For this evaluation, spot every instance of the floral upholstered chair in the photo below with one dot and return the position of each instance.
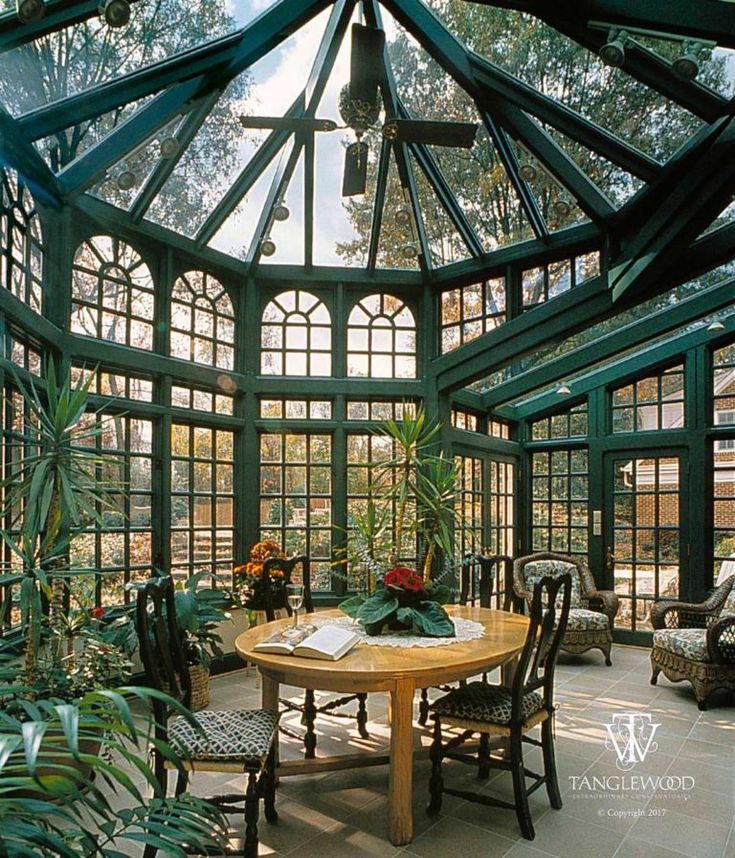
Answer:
(696, 642)
(592, 612)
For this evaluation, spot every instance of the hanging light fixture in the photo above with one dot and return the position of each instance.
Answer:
(169, 146)
(715, 327)
(30, 11)
(267, 246)
(126, 179)
(562, 207)
(528, 171)
(281, 212)
(686, 67)
(403, 214)
(115, 12)
(563, 390)
(612, 53)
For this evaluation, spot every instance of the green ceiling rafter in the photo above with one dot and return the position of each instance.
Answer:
(703, 20)
(606, 347)
(436, 178)
(381, 184)
(695, 186)
(165, 166)
(18, 153)
(400, 150)
(455, 59)
(566, 315)
(657, 354)
(309, 191)
(221, 59)
(58, 14)
(249, 175)
(500, 83)
(316, 83)
(509, 159)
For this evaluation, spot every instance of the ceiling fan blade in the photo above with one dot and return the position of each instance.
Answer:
(354, 180)
(457, 134)
(365, 62)
(286, 123)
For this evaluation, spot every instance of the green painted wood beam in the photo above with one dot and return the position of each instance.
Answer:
(58, 14)
(222, 58)
(249, 175)
(565, 315)
(614, 343)
(712, 20)
(695, 186)
(656, 355)
(502, 84)
(381, 185)
(18, 153)
(165, 166)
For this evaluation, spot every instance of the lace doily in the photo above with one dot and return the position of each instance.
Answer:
(467, 630)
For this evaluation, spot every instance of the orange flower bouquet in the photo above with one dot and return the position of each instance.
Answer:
(248, 577)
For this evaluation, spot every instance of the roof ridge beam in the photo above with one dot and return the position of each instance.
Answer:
(225, 58)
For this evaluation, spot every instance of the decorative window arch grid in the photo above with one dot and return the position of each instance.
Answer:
(21, 241)
(296, 336)
(202, 321)
(112, 293)
(381, 339)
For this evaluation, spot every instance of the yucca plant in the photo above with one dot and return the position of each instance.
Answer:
(436, 494)
(65, 769)
(55, 488)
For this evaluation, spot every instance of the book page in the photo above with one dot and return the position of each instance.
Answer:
(332, 641)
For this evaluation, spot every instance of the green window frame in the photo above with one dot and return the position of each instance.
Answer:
(21, 241)
(559, 505)
(469, 311)
(501, 507)
(381, 338)
(296, 336)
(652, 402)
(202, 321)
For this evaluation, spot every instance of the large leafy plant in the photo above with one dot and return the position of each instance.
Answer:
(70, 783)
(199, 613)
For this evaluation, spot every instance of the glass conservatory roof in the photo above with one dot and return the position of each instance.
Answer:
(226, 121)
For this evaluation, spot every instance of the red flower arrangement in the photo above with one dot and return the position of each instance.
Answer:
(403, 578)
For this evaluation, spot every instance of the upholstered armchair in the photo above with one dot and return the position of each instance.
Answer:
(695, 641)
(592, 612)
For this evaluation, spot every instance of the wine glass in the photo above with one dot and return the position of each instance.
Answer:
(295, 596)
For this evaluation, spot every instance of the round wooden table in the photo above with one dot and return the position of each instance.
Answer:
(397, 671)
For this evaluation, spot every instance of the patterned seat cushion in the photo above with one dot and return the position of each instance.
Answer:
(728, 609)
(240, 734)
(538, 569)
(479, 701)
(689, 643)
(581, 619)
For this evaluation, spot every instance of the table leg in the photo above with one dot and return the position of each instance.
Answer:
(269, 692)
(400, 823)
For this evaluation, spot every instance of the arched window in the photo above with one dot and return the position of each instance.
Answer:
(296, 336)
(381, 339)
(112, 293)
(202, 321)
(21, 241)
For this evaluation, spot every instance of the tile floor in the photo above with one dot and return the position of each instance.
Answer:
(345, 813)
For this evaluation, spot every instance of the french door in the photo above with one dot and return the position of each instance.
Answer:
(645, 533)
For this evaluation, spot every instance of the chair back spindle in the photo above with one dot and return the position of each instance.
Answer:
(287, 566)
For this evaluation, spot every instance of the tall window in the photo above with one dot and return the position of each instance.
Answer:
(559, 505)
(202, 321)
(202, 500)
(381, 339)
(471, 311)
(723, 390)
(724, 513)
(112, 293)
(120, 547)
(296, 336)
(654, 402)
(21, 241)
(469, 536)
(500, 497)
(296, 498)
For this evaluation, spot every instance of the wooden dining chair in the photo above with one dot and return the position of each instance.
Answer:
(309, 709)
(483, 579)
(510, 713)
(237, 741)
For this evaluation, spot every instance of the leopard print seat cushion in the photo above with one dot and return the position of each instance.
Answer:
(237, 735)
(489, 704)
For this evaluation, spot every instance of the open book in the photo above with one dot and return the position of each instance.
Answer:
(328, 642)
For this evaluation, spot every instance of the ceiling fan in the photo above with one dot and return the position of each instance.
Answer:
(360, 105)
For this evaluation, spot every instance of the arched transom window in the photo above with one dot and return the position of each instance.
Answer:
(296, 336)
(381, 339)
(112, 293)
(21, 241)
(202, 321)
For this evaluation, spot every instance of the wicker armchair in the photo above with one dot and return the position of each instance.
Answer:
(592, 614)
(695, 641)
